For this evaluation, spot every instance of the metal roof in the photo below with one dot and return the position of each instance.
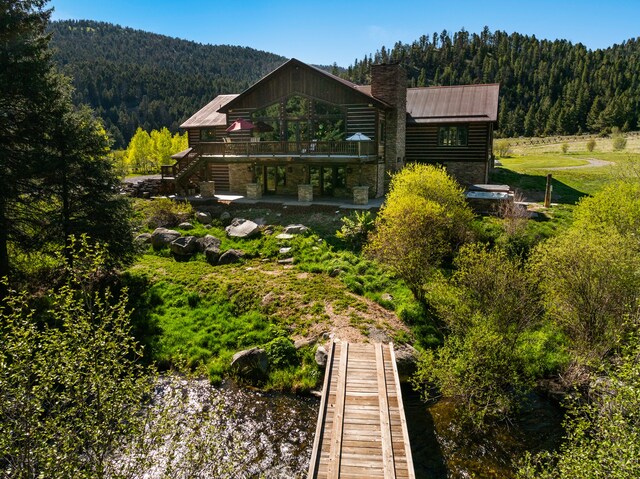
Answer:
(209, 115)
(453, 104)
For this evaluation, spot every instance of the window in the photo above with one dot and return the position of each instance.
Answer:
(452, 136)
(208, 134)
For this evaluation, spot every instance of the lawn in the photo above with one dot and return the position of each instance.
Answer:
(527, 172)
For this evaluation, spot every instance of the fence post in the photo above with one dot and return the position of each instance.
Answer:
(547, 192)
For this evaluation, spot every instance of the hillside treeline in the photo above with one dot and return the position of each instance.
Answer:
(547, 87)
(137, 79)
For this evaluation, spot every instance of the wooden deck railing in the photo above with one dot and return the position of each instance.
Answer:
(306, 148)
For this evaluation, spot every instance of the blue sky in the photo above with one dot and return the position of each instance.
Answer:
(323, 32)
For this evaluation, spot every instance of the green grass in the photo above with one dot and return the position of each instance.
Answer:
(528, 173)
(194, 313)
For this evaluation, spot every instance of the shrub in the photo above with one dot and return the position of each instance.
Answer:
(501, 148)
(619, 141)
(356, 228)
(564, 147)
(281, 352)
(163, 212)
(591, 145)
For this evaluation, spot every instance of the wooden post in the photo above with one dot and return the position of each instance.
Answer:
(547, 192)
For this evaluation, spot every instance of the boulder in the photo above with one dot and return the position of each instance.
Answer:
(251, 364)
(284, 236)
(207, 242)
(303, 342)
(230, 256)
(321, 356)
(225, 218)
(406, 361)
(185, 226)
(213, 255)
(241, 228)
(184, 246)
(162, 237)
(143, 238)
(295, 229)
(203, 217)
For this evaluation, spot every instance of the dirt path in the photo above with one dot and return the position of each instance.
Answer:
(593, 162)
(138, 179)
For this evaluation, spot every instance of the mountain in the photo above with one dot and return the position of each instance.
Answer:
(134, 78)
(547, 87)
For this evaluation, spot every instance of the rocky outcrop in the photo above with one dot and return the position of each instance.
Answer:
(163, 237)
(241, 228)
(250, 364)
(207, 242)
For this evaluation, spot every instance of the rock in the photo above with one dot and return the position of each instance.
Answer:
(184, 246)
(406, 361)
(207, 242)
(162, 237)
(286, 261)
(284, 250)
(321, 356)
(241, 228)
(185, 226)
(386, 297)
(143, 238)
(251, 364)
(203, 217)
(301, 343)
(295, 229)
(335, 272)
(225, 218)
(230, 256)
(213, 255)
(284, 236)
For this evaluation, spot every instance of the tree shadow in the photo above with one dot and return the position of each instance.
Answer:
(428, 460)
(533, 186)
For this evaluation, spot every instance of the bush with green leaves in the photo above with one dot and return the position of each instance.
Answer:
(619, 142)
(356, 228)
(164, 212)
(502, 148)
(564, 147)
(281, 352)
(423, 221)
(602, 428)
(591, 145)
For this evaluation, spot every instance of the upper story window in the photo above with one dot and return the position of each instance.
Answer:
(453, 135)
(208, 134)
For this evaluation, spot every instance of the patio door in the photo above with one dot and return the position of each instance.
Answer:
(274, 177)
(326, 179)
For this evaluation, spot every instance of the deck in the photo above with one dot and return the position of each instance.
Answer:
(361, 430)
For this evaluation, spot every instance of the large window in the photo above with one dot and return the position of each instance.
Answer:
(453, 135)
(298, 118)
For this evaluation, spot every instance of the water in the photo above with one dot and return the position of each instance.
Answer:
(273, 433)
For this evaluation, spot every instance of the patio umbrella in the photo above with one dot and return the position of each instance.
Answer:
(240, 124)
(359, 137)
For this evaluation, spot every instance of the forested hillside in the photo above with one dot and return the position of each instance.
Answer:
(547, 87)
(134, 78)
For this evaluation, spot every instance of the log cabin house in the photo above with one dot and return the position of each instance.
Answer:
(294, 133)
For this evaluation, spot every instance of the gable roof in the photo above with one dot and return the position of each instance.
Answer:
(209, 115)
(453, 104)
(298, 64)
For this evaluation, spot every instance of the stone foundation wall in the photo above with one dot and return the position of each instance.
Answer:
(468, 173)
(239, 175)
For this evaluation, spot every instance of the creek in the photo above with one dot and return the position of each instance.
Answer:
(274, 433)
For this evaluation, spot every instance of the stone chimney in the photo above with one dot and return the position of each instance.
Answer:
(389, 84)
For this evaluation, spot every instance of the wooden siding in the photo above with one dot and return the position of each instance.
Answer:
(294, 78)
(361, 118)
(422, 145)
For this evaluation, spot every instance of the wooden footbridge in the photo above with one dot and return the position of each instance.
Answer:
(361, 431)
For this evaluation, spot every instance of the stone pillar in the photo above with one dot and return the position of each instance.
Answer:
(360, 195)
(254, 191)
(207, 189)
(389, 84)
(305, 193)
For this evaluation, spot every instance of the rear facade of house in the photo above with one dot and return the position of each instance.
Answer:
(305, 133)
